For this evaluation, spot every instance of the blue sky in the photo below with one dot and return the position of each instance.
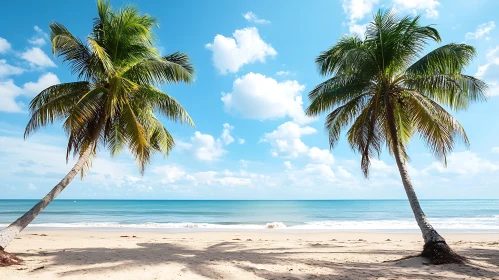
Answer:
(255, 65)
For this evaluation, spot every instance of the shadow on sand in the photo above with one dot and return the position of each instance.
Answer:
(202, 261)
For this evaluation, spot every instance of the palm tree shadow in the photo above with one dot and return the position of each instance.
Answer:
(202, 262)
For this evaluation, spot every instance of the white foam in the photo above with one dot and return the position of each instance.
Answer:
(275, 225)
(490, 223)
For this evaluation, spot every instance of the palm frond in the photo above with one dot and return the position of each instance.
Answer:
(53, 104)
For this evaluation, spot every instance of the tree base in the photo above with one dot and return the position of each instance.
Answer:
(7, 259)
(438, 252)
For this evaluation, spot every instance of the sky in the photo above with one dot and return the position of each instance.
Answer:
(254, 65)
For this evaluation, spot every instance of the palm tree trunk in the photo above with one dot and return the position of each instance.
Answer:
(435, 248)
(9, 233)
(429, 233)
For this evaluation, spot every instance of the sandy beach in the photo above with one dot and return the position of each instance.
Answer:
(242, 255)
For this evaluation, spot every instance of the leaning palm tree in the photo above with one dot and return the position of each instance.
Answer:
(113, 104)
(385, 92)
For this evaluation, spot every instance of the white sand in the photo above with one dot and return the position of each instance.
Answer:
(242, 255)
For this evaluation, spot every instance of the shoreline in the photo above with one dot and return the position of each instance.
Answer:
(132, 254)
(252, 230)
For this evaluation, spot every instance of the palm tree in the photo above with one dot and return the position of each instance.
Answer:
(113, 104)
(385, 92)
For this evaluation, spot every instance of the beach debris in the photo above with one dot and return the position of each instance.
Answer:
(249, 239)
(388, 239)
(134, 236)
(362, 240)
(236, 239)
(7, 259)
(124, 236)
(333, 239)
(43, 234)
(38, 268)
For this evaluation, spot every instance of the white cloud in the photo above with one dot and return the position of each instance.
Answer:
(288, 165)
(492, 57)
(463, 163)
(495, 150)
(226, 137)
(251, 17)
(416, 6)
(285, 140)
(320, 156)
(356, 10)
(493, 89)
(484, 71)
(241, 141)
(169, 173)
(42, 147)
(4, 45)
(255, 96)
(482, 30)
(36, 57)
(9, 91)
(9, 70)
(45, 81)
(282, 73)
(359, 29)
(39, 38)
(246, 46)
(205, 147)
(322, 171)
(31, 187)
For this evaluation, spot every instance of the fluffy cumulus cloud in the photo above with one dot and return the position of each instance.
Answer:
(46, 80)
(206, 148)
(481, 31)
(320, 156)
(9, 70)
(463, 163)
(4, 45)
(492, 57)
(255, 96)
(495, 150)
(37, 58)
(251, 17)
(39, 39)
(246, 46)
(175, 175)
(490, 71)
(286, 142)
(169, 173)
(356, 10)
(418, 6)
(10, 92)
(226, 137)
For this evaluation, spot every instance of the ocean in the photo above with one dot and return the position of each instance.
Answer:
(321, 215)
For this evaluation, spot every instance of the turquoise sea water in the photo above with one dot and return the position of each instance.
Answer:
(334, 215)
